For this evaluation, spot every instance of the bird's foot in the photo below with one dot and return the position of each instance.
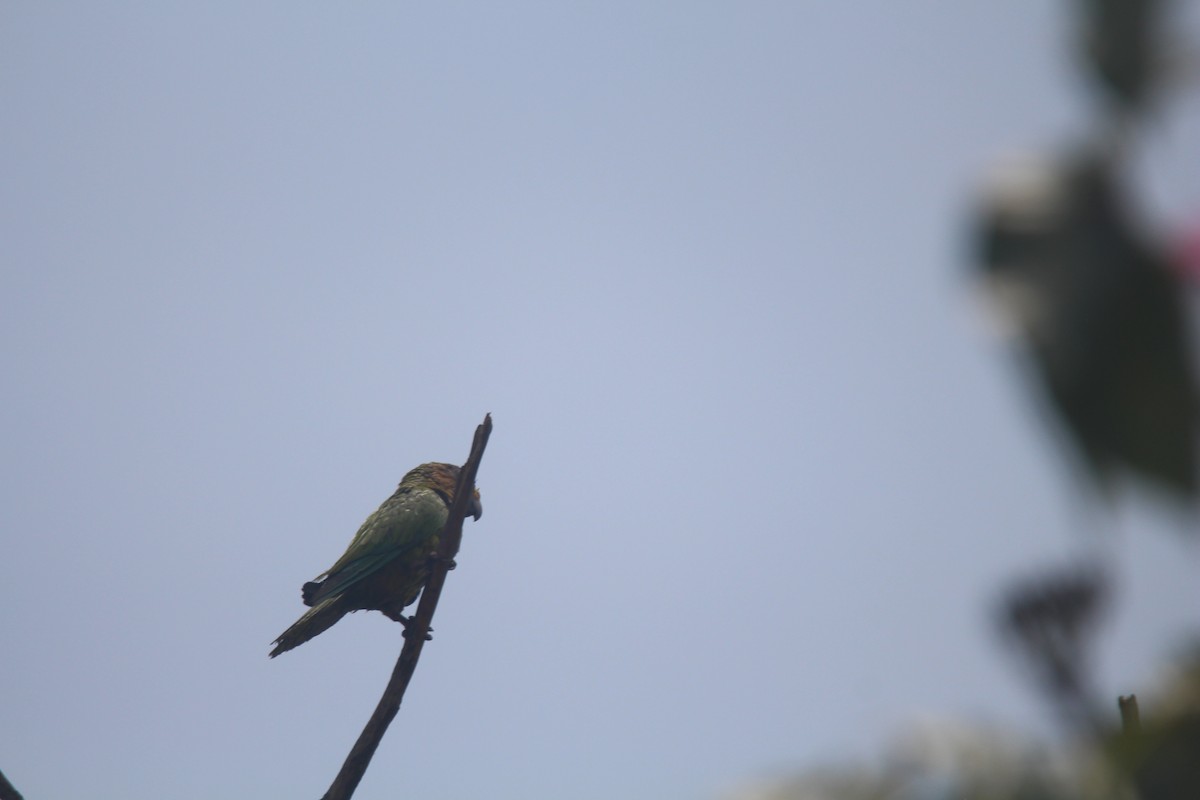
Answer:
(408, 623)
(410, 627)
(396, 616)
(434, 559)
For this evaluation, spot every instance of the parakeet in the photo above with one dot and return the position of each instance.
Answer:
(388, 560)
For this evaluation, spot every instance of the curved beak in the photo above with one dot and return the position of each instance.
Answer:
(475, 509)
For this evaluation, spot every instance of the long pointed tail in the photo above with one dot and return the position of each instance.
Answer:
(318, 619)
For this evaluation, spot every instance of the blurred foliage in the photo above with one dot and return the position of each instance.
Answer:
(1051, 621)
(1160, 755)
(1096, 303)
(950, 761)
(1119, 46)
(1101, 312)
(1101, 316)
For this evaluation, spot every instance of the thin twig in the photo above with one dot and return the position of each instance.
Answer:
(356, 763)
(1131, 719)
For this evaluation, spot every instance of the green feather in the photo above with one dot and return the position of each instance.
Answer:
(404, 527)
(387, 562)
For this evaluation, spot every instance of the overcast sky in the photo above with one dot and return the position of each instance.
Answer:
(758, 472)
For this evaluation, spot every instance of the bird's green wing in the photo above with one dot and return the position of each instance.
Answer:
(400, 528)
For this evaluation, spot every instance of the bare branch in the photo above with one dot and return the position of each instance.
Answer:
(356, 763)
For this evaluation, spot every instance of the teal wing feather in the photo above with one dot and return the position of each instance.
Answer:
(405, 522)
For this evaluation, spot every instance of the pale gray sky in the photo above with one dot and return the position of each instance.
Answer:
(758, 470)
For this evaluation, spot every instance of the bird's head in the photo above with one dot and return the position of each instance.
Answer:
(442, 478)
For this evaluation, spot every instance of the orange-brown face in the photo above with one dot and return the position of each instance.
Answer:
(443, 479)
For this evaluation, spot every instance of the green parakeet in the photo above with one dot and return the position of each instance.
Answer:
(388, 561)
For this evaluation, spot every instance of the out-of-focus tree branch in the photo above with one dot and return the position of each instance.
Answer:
(7, 790)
